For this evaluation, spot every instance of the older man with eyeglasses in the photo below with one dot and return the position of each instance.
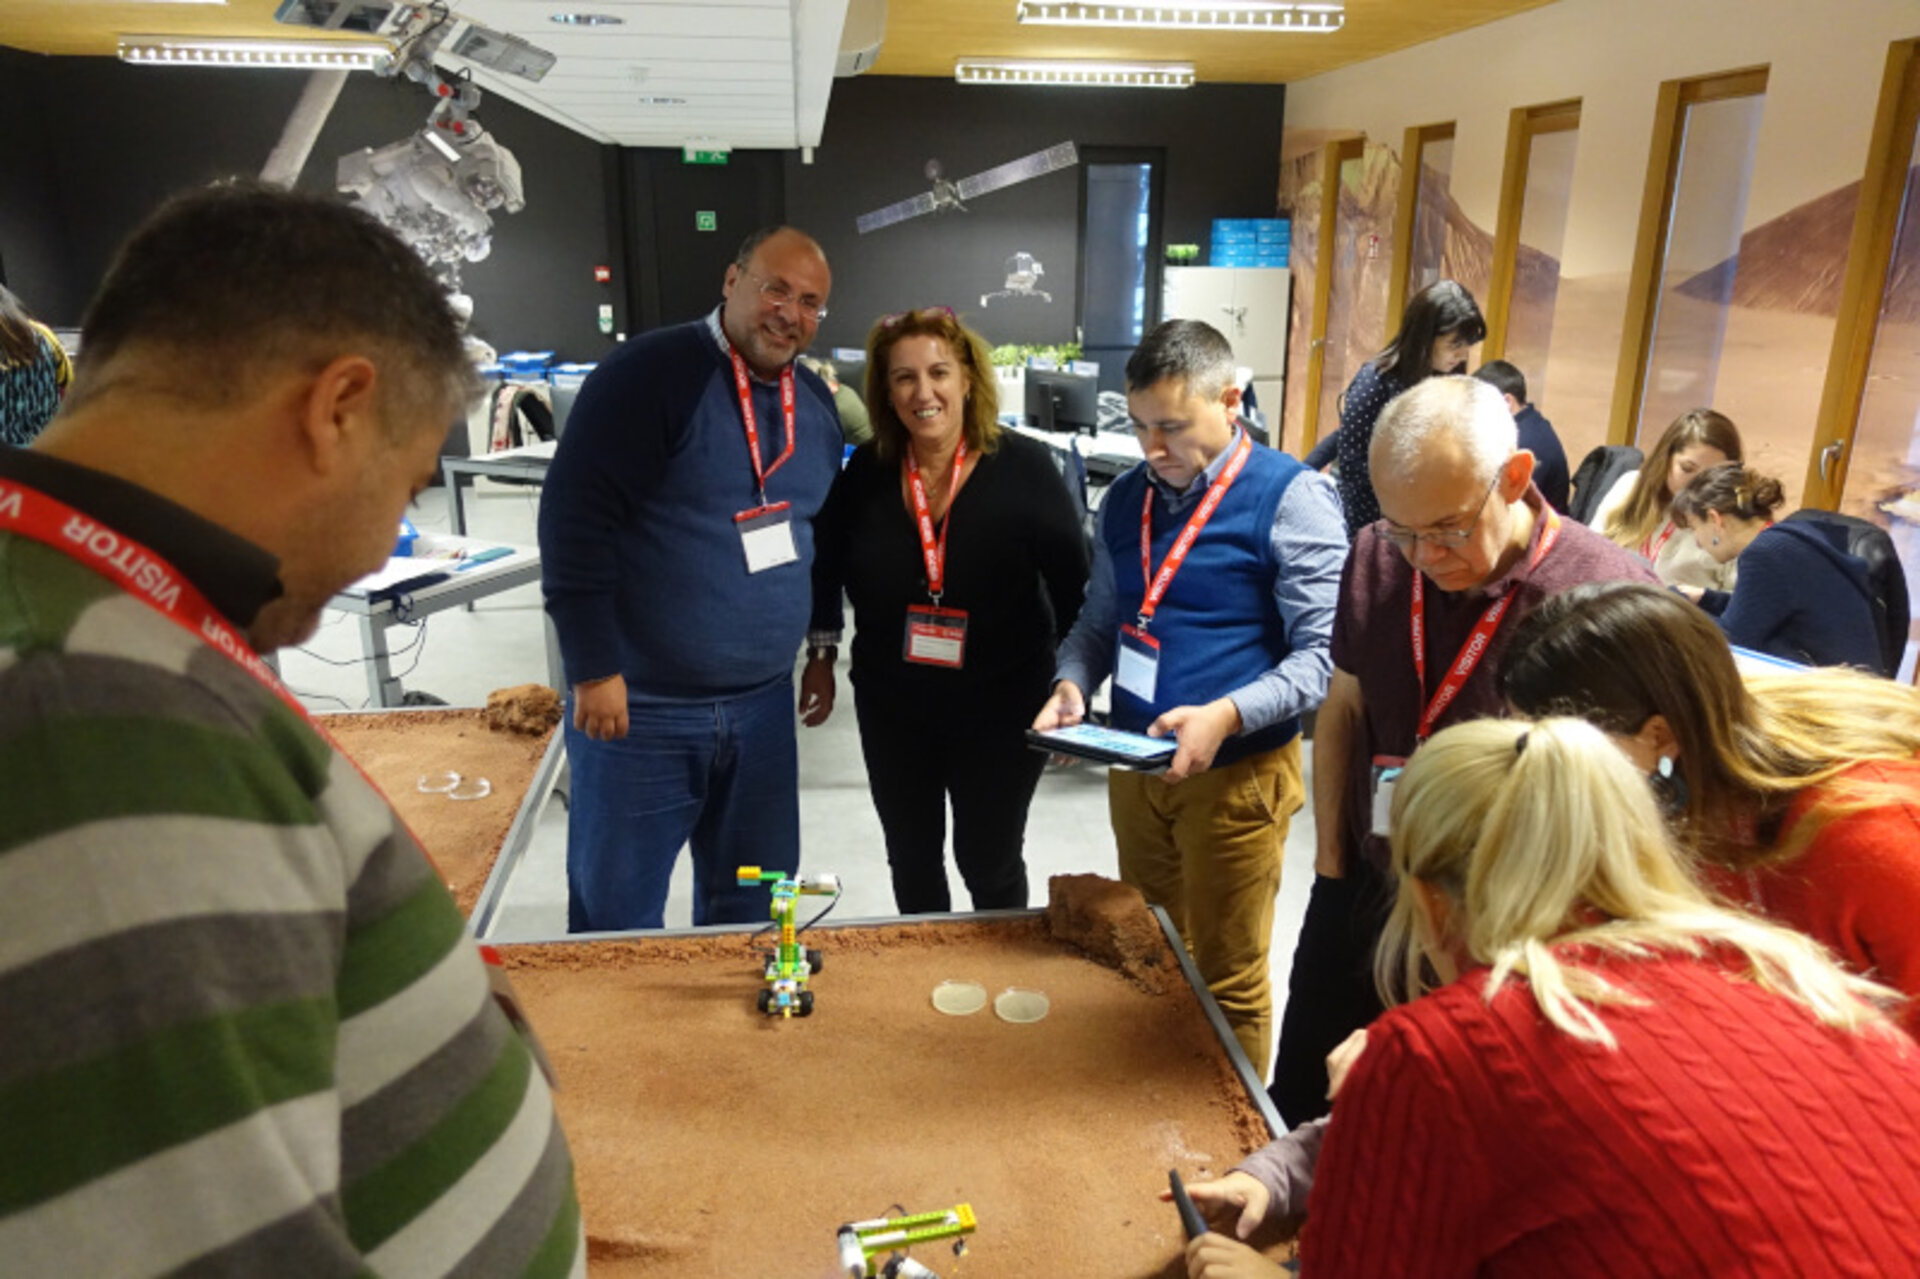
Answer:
(1430, 594)
(676, 537)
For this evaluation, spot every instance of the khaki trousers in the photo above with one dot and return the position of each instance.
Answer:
(1208, 850)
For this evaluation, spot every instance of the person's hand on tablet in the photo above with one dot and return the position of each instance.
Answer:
(1200, 729)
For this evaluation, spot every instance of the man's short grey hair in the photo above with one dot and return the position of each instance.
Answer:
(1459, 408)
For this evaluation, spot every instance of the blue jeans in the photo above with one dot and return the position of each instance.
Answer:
(722, 776)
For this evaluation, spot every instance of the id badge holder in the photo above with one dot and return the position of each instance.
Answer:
(766, 536)
(1136, 667)
(936, 636)
(1386, 775)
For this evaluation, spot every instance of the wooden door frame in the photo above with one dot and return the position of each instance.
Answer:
(1332, 156)
(1876, 221)
(1524, 124)
(1407, 211)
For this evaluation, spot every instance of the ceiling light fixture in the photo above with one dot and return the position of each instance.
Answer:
(1113, 75)
(587, 19)
(180, 51)
(1245, 15)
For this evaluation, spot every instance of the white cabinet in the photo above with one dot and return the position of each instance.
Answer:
(1250, 305)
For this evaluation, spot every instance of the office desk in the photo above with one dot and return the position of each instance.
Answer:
(380, 609)
(526, 463)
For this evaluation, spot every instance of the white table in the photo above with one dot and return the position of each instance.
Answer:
(527, 463)
(380, 606)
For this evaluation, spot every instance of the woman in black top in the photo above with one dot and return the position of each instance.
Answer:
(1439, 327)
(964, 560)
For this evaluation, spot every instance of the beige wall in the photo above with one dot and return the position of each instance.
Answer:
(1826, 60)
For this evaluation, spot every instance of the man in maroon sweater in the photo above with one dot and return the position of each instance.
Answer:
(1428, 598)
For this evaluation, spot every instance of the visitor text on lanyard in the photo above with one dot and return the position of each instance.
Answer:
(1137, 659)
(935, 636)
(766, 530)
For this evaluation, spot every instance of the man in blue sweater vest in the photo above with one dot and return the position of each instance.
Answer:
(676, 540)
(1211, 602)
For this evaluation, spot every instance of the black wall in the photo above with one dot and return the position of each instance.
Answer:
(675, 269)
(89, 145)
(1221, 149)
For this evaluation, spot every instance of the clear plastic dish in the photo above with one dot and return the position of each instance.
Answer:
(471, 788)
(959, 998)
(436, 783)
(1021, 1006)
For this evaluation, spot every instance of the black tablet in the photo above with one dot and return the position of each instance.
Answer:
(1107, 745)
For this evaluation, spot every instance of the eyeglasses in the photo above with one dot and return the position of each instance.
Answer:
(924, 313)
(780, 295)
(1445, 539)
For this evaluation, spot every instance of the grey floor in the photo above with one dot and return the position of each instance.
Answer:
(461, 656)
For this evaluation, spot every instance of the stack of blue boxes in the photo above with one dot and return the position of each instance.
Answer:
(1250, 242)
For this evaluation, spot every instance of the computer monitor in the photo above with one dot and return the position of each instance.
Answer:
(1059, 401)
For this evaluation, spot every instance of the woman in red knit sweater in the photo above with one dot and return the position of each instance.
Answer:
(1800, 792)
(1617, 1075)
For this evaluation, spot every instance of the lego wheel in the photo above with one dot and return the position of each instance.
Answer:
(806, 1003)
(766, 1000)
(815, 960)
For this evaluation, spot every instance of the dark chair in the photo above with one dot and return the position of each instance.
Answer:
(1597, 474)
(1886, 578)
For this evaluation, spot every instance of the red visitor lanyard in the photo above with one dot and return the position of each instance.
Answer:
(159, 585)
(1654, 545)
(1477, 642)
(745, 388)
(933, 553)
(1177, 553)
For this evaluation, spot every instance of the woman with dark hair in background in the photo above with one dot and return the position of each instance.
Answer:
(1799, 595)
(1636, 512)
(34, 372)
(1440, 326)
(1594, 1068)
(1800, 792)
(962, 554)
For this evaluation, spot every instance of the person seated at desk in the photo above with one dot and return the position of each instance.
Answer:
(1537, 435)
(1798, 793)
(1636, 512)
(1595, 1069)
(1799, 596)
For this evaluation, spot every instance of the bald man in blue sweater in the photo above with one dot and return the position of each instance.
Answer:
(676, 539)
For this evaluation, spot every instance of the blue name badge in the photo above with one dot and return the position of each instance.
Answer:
(1136, 667)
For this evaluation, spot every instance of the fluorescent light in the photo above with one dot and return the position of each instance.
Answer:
(1225, 15)
(1115, 75)
(182, 51)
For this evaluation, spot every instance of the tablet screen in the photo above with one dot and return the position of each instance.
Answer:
(1111, 743)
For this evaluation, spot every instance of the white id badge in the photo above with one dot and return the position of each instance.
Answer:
(936, 636)
(1386, 775)
(1136, 667)
(766, 536)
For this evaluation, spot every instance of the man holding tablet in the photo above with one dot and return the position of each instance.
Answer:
(1211, 602)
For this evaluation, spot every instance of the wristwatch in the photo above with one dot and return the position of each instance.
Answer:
(819, 652)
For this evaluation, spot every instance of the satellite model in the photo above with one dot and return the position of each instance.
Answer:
(1023, 280)
(953, 195)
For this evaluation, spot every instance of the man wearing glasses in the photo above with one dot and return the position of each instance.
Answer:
(676, 538)
(1430, 593)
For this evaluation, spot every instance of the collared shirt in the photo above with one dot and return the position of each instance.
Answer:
(726, 345)
(1309, 543)
(237, 577)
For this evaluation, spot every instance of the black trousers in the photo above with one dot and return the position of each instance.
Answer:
(1331, 992)
(919, 757)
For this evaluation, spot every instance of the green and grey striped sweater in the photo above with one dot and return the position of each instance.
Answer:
(242, 1031)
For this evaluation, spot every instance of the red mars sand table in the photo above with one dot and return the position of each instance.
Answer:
(713, 1141)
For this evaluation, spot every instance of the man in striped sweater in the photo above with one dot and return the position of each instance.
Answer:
(244, 1032)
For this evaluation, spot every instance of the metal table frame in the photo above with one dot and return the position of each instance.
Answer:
(379, 615)
(519, 835)
(514, 464)
(1242, 1068)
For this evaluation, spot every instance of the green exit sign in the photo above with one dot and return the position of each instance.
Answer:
(693, 155)
(705, 220)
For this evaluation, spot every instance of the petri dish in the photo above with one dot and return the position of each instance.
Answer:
(436, 783)
(958, 998)
(471, 788)
(1021, 1006)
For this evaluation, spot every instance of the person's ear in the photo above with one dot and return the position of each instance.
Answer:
(732, 278)
(1658, 737)
(1230, 398)
(1437, 912)
(1516, 475)
(339, 411)
(1513, 406)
